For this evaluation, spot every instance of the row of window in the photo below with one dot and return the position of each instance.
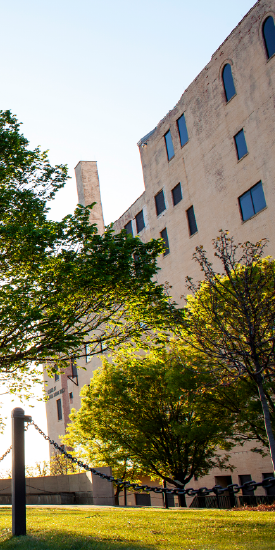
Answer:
(229, 91)
(251, 202)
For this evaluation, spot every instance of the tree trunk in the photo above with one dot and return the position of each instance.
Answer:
(117, 496)
(267, 421)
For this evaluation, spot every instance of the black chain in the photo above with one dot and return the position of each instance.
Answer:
(203, 491)
(6, 453)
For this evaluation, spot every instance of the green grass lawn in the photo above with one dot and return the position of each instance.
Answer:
(140, 529)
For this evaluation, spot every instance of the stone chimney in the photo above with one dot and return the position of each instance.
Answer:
(88, 190)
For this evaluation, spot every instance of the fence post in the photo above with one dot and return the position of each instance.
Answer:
(18, 472)
(165, 496)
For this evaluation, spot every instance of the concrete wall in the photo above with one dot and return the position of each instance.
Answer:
(84, 488)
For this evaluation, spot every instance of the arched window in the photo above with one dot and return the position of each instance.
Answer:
(228, 82)
(269, 36)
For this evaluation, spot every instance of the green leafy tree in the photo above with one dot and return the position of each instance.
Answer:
(63, 284)
(153, 410)
(230, 322)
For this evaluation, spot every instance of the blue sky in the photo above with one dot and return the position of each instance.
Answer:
(88, 79)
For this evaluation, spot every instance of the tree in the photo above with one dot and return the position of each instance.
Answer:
(230, 322)
(153, 411)
(63, 284)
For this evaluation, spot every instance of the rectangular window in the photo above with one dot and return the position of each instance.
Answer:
(56, 377)
(71, 396)
(59, 409)
(192, 220)
(169, 145)
(73, 367)
(252, 202)
(176, 194)
(164, 236)
(140, 221)
(240, 143)
(143, 499)
(182, 130)
(160, 203)
(88, 357)
(128, 228)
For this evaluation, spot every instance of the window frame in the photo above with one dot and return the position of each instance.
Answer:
(166, 133)
(236, 147)
(139, 231)
(249, 191)
(266, 17)
(155, 197)
(182, 116)
(88, 357)
(223, 83)
(191, 234)
(129, 223)
(166, 241)
(178, 184)
(59, 409)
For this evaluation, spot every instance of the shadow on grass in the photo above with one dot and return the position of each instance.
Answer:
(65, 541)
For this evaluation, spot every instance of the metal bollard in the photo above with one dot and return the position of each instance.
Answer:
(18, 472)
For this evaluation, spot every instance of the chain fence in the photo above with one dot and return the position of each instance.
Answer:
(233, 489)
(203, 491)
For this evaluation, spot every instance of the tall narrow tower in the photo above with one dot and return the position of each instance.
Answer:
(88, 190)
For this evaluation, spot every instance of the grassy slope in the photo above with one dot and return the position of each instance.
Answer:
(140, 529)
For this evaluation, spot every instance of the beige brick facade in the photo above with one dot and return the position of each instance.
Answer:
(212, 180)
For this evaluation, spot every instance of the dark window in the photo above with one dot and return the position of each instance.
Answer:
(140, 221)
(269, 36)
(252, 202)
(270, 491)
(228, 82)
(160, 202)
(240, 144)
(143, 499)
(71, 395)
(176, 194)
(73, 367)
(182, 130)
(128, 228)
(59, 409)
(56, 377)
(192, 220)
(164, 236)
(169, 145)
(244, 479)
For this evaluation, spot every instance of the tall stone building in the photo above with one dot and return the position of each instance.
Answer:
(208, 165)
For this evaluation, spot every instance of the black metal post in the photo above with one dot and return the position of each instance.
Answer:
(165, 496)
(18, 472)
(125, 496)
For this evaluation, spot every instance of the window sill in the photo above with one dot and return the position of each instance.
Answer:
(169, 160)
(167, 254)
(226, 102)
(159, 215)
(252, 217)
(185, 144)
(193, 235)
(273, 55)
(246, 154)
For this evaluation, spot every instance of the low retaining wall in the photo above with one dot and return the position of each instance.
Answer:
(83, 488)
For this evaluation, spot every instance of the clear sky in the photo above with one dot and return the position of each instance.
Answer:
(88, 79)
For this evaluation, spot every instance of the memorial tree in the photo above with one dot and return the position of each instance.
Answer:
(62, 284)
